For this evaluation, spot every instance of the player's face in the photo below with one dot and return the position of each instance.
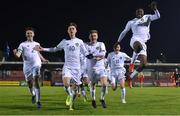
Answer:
(72, 31)
(118, 48)
(29, 34)
(93, 37)
(139, 13)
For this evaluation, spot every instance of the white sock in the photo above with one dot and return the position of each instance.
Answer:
(73, 94)
(32, 91)
(93, 94)
(112, 80)
(68, 90)
(123, 93)
(135, 72)
(134, 57)
(37, 91)
(103, 92)
(83, 93)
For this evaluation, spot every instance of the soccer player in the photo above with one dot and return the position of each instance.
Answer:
(176, 77)
(96, 67)
(140, 27)
(116, 61)
(141, 79)
(72, 47)
(31, 64)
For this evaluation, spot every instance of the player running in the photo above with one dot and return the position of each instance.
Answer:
(116, 61)
(96, 67)
(31, 64)
(72, 47)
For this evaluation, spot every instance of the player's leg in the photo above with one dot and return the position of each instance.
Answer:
(141, 82)
(92, 82)
(74, 88)
(133, 59)
(32, 91)
(66, 82)
(139, 48)
(113, 83)
(84, 82)
(67, 88)
(130, 82)
(36, 77)
(123, 90)
(93, 93)
(104, 83)
(143, 62)
(83, 92)
(75, 82)
(29, 79)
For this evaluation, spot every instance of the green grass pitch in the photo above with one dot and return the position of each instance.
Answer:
(140, 101)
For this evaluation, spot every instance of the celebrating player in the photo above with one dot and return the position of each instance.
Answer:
(140, 27)
(96, 67)
(72, 47)
(116, 61)
(31, 64)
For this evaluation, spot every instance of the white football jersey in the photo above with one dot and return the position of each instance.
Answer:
(140, 27)
(97, 49)
(72, 49)
(30, 56)
(116, 61)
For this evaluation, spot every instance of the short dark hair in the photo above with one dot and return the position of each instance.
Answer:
(30, 28)
(139, 10)
(72, 24)
(116, 44)
(93, 31)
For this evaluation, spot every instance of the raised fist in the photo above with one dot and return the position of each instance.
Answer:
(153, 5)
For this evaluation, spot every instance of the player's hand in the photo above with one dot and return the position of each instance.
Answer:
(98, 58)
(15, 51)
(38, 48)
(153, 5)
(89, 56)
(45, 61)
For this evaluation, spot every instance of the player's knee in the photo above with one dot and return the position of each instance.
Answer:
(66, 84)
(114, 88)
(138, 49)
(122, 87)
(143, 64)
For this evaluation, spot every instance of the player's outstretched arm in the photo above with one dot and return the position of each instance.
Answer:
(38, 48)
(156, 14)
(123, 33)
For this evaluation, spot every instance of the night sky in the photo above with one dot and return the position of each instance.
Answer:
(109, 17)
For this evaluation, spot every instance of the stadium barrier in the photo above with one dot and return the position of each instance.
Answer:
(9, 83)
(156, 74)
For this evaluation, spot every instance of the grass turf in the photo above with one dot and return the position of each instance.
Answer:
(140, 101)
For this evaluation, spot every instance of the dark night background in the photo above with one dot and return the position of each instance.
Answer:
(50, 18)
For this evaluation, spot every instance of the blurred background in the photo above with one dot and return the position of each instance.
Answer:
(50, 18)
